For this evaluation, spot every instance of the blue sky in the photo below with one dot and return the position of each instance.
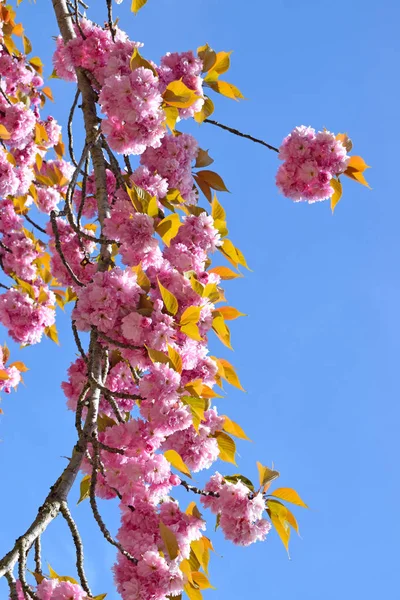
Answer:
(319, 352)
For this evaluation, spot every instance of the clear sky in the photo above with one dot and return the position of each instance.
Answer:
(319, 352)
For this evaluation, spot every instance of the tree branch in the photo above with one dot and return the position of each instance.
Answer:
(78, 546)
(240, 134)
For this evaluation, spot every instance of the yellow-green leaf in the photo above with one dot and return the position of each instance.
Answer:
(177, 462)
(160, 357)
(175, 358)
(192, 331)
(142, 278)
(282, 529)
(193, 592)
(289, 495)
(222, 62)
(208, 56)
(170, 302)
(337, 193)
(171, 116)
(191, 315)
(227, 447)
(137, 61)
(226, 89)
(84, 488)
(168, 228)
(206, 110)
(221, 329)
(152, 208)
(179, 95)
(170, 541)
(217, 211)
(51, 333)
(234, 429)
(266, 474)
(227, 372)
(100, 597)
(201, 580)
(137, 5)
(213, 180)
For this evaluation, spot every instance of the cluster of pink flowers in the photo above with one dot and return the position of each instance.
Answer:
(25, 313)
(26, 318)
(240, 510)
(310, 161)
(130, 99)
(172, 160)
(187, 68)
(54, 589)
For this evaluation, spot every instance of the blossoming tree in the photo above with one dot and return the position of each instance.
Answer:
(128, 225)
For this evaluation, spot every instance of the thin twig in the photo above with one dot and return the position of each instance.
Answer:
(240, 134)
(128, 164)
(60, 251)
(111, 393)
(110, 19)
(69, 127)
(196, 490)
(66, 513)
(77, 340)
(35, 224)
(97, 516)
(38, 556)
(119, 344)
